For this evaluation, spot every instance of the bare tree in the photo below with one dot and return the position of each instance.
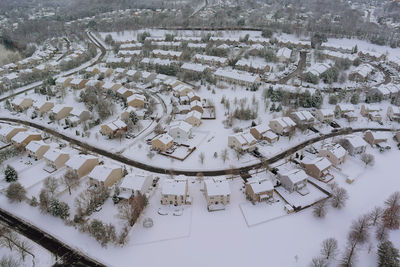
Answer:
(375, 215)
(224, 155)
(126, 212)
(71, 179)
(329, 248)
(201, 157)
(319, 209)
(318, 262)
(339, 197)
(381, 233)
(368, 159)
(51, 184)
(391, 215)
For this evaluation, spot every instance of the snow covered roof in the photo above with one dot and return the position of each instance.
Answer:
(217, 187)
(221, 60)
(364, 70)
(260, 185)
(57, 108)
(135, 182)
(76, 161)
(77, 111)
(295, 175)
(336, 150)
(164, 138)
(53, 154)
(193, 45)
(136, 97)
(34, 146)
(6, 129)
(345, 107)
(194, 67)
(262, 128)
(174, 187)
(18, 101)
(320, 162)
(284, 52)
(326, 112)
(319, 68)
(182, 125)
(238, 76)
(102, 172)
(250, 63)
(285, 121)
(167, 53)
(303, 115)
(194, 113)
(378, 135)
(21, 136)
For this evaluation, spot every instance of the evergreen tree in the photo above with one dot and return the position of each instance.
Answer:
(388, 255)
(10, 174)
(58, 208)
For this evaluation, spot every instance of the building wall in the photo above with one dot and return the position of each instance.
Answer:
(87, 167)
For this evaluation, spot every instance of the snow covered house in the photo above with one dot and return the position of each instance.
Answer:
(393, 113)
(282, 126)
(167, 54)
(78, 83)
(217, 193)
(76, 116)
(7, 132)
(21, 104)
(346, 111)
(210, 60)
(110, 86)
(182, 89)
(162, 143)
(193, 97)
(374, 138)
(81, 165)
(194, 68)
(133, 75)
(372, 55)
(136, 101)
(325, 115)
(252, 66)
(259, 189)
(293, 180)
(59, 112)
(318, 168)
(361, 73)
(235, 77)
(196, 105)
(354, 144)
(242, 141)
(284, 54)
(335, 153)
(43, 106)
(372, 112)
(193, 118)
(111, 129)
(147, 77)
(180, 130)
(22, 139)
(386, 91)
(263, 132)
(303, 118)
(36, 149)
(134, 184)
(105, 175)
(175, 191)
(319, 69)
(124, 92)
(56, 158)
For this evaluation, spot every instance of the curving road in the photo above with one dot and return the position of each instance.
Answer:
(152, 168)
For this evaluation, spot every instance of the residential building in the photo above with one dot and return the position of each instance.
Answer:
(180, 130)
(242, 141)
(82, 165)
(36, 149)
(293, 180)
(284, 54)
(235, 77)
(335, 153)
(59, 112)
(21, 104)
(136, 101)
(354, 144)
(43, 106)
(325, 115)
(282, 126)
(374, 138)
(7, 132)
(56, 158)
(259, 189)
(134, 184)
(105, 175)
(193, 118)
(303, 118)
(318, 168)
(162, 143)
(175, 191)
(22, 139)
(217, 193)
(111, 129)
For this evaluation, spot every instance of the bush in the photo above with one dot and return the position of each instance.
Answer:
(333, 100)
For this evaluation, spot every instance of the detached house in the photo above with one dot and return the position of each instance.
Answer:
(263, 132)
(59, 112)
(354, 144)
(325, 115)
(175, 191)
(346, 111)
(180, 130)
(196, 105)
(372, 112)
(105, 175)
(36, 149)
(82, 164)
(293, 180)
(284, 54)
(217, 193)
(259, 189)
(193, 118)
(7, 132)
(21, 104)
(162, 143)
(318, 168)
(242, 141)
(112, 128)
(78, 83)
(43, 106)
(22, 139)
(282, 126)
(303, 118)
(63, 82)
(56, 158)
(136, 101)
(134, 184)
(361, 73)
(374, 138)
(393, 113)
(335, 153)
